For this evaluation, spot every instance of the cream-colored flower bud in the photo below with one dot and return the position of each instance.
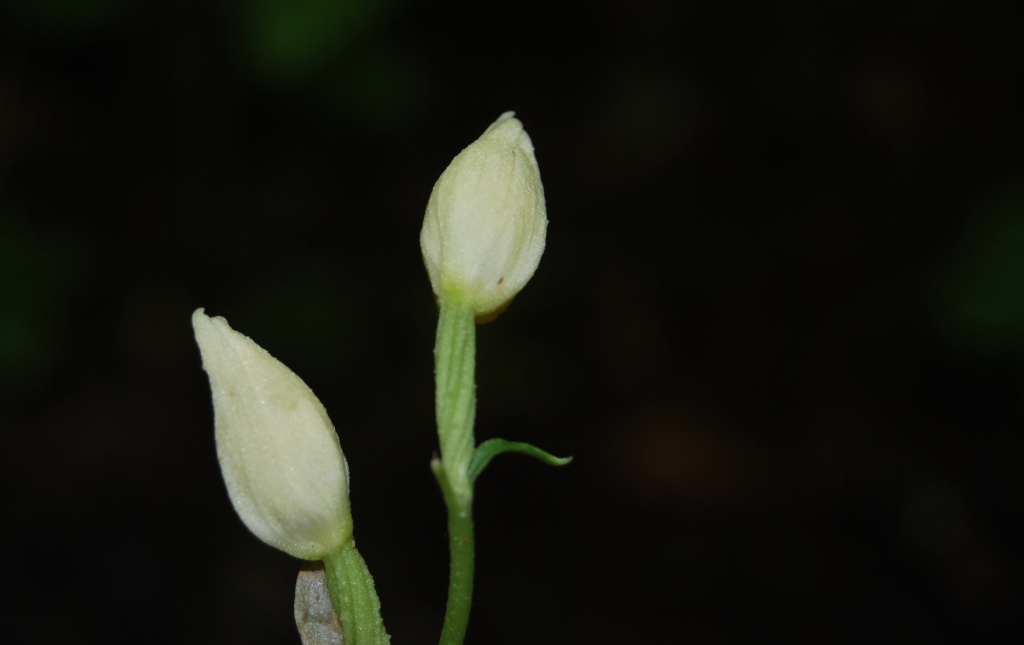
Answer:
(278, 452)
(483, 233)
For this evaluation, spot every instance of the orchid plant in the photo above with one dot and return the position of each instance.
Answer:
(482, 238)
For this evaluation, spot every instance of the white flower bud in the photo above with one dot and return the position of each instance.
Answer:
(278, 452)
(483, 233)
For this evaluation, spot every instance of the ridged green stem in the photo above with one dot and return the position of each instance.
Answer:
(455, 361)
(354, 597)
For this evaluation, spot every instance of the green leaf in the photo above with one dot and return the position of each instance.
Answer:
(491, 448)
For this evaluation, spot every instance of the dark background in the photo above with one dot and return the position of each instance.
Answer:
(779, 322)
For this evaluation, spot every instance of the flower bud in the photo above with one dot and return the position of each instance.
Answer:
(279, 454)
(483, 233)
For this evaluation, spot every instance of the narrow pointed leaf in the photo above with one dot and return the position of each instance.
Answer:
(491, 448)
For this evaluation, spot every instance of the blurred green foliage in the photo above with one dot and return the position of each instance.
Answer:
(984, 299)
(290, 39)
(36, 273)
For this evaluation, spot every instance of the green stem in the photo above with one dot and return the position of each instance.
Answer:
(354, 597)
(455, 360)
(462, 550)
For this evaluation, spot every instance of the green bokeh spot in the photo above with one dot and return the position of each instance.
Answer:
(36, 274)
(985, 298)
(293, 38)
